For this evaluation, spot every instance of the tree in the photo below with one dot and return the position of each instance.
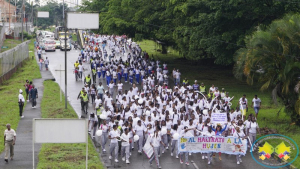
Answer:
(271, 57)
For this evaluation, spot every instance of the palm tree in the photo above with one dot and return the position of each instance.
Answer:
(271, 57)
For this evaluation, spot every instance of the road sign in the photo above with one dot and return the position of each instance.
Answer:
(4, 47)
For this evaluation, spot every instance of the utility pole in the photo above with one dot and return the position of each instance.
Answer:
(23, 12)
(65, 21)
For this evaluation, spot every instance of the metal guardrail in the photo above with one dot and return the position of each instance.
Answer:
(13, 57)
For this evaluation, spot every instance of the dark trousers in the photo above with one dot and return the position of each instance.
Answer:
(21, 108)
(33, 102)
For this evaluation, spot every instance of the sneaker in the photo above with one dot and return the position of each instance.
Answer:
(206, 157)
(203, 157)
(110, 157)
(127, 162)
(177, 156)
(208, 162)
(181, 162)
(167, 148)
(139, 151)
(104, 150)
(150, 163)
(237, 162)
(171, 154)
(240, 159)
(187, 163)
(123, 159)
(130, 154)
(32, 107)
(159, 166)
(190, 154)
(22, 116)
(116, 160)
(6, 160)
(163, 151)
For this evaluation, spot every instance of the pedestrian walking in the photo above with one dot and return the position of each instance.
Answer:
(46, 62)
(10, 140)
(33, 96)
(21, 102)
(39, 52)
(256, 104)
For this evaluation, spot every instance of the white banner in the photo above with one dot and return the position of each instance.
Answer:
(219, 118)
(43, 14)
(227, 145)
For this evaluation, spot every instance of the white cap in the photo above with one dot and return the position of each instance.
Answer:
(20, 91)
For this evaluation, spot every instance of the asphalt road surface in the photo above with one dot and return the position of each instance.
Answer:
(57, 68)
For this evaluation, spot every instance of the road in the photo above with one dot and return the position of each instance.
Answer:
(137, 161)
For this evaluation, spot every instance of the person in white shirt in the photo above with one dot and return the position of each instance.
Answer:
(21, 103)
(105, 129)
(114, 135)
(10, 140)
(92, 124)
(243, 105)
(111, 88)
(256, 103)
(125, 146)
(209, 133)
(120, 87)
(252, 130)
(177, 77)
(155, 143)
(241, 135)
(139, 130)
(185, 133)
(174, 131)
(80, 69)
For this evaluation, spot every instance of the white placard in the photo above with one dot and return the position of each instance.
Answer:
(219, 117)
(83, 21)
(43, 14)
(59, 131)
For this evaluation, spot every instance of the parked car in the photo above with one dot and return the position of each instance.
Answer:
(65, 47)
(57, 44)
(50, 45)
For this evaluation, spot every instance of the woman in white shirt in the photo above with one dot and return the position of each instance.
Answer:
(174, 131)
(92, 124)
(125, 146)
(164, 137)
(139, 130)
(105, 129)
(241, 135)
(155, 143)
(252, 129)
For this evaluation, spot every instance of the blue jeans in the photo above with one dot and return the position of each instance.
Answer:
(256, 109)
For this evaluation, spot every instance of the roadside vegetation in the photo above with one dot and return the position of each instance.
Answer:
(9, 44)
(63, 155)
(271, 117)
(9, 91)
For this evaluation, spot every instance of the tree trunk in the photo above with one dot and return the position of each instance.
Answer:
(164, 49)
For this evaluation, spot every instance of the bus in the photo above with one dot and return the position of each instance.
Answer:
(60, 33)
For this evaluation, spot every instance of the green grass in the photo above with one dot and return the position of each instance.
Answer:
(10, 43)
(74, 38)
(63, 155)
(9, 90)
(222, 77)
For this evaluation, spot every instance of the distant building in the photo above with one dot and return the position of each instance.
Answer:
(7, 12)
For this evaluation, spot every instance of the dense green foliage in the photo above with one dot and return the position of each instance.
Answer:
(272, 57)
(196, 28)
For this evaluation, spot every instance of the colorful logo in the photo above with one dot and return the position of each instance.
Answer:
(283, 150)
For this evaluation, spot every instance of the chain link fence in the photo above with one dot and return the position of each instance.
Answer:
(10, 60)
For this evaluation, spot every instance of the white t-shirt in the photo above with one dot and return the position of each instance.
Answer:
(252, 127)
(111, 86)
(114, 133)
(97, 102)
(120, 86)
(9, 134)
(80, 68)
(256, 102)
(126, 139)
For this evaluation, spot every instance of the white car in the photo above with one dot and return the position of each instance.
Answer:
(49, 45)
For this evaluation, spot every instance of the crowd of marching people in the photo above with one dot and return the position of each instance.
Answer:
(152, 109)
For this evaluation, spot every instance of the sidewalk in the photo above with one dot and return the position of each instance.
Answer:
(23, 148)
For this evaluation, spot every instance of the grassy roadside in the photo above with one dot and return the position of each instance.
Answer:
(222, 77)
(63, 155)
(9, 90)
(10, 43)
